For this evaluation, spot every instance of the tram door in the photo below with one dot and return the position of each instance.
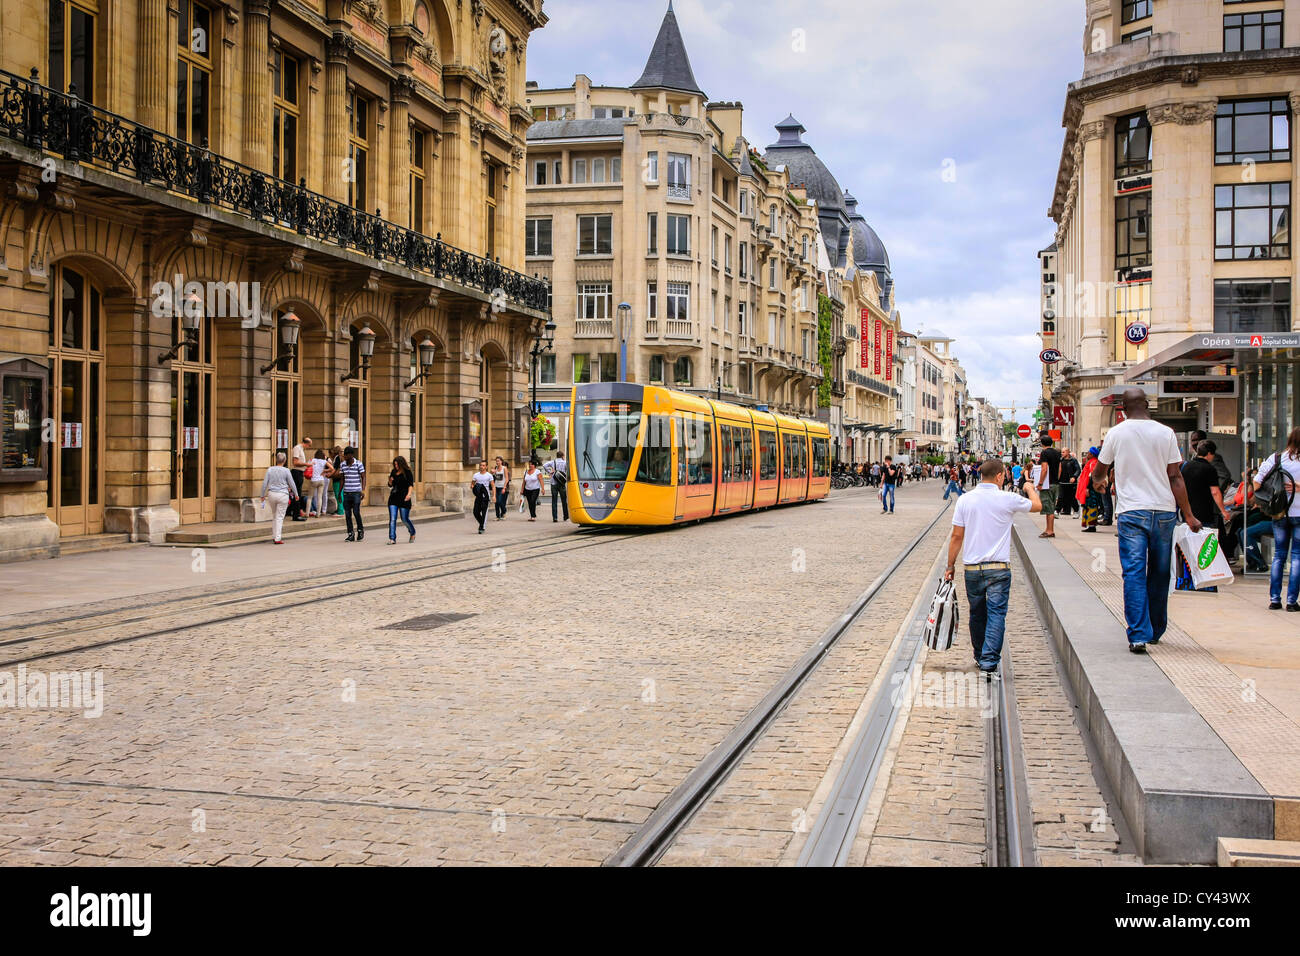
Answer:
(74, 492)
(193, 492)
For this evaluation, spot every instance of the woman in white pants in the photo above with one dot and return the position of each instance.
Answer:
(321, 472)
(279, 486)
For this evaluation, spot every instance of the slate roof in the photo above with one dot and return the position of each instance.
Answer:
(669, 67)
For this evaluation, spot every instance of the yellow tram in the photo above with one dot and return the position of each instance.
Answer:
(644, 455)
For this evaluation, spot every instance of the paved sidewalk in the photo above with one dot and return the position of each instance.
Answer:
(1236, 663)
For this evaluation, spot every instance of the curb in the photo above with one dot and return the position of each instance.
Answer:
(1178, 785)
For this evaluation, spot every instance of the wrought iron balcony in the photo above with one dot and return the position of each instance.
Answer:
(65, 125)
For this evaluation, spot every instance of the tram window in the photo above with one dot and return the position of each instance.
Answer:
(738, 455)
(699, 451)
(821, 457)
(724, 452)
(747, 454)
(680, 426)
(656, 466)
(766, 455)
(788, 465)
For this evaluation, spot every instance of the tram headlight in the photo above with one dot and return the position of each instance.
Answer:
(613, 493)
(586, 492)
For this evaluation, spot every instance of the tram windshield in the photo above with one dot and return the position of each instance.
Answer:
(604, 437)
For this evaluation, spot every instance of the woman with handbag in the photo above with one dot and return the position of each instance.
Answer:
(501, 486)
(401, 481)
(1276, 482)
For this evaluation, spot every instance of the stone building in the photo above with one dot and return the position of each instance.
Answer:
(1173, 202)
(227, 226)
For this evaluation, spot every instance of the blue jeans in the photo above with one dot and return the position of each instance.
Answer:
(1146, 543)
(952, 486)
(395, 512)
(1286, 536)
(887, 496)
(987, 593)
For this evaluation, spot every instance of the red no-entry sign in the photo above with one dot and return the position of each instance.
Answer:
(1024, 431)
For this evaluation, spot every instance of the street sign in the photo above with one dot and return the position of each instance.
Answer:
(1024, 431)
(1063, 416)
(1049, 356)
(1137, 333)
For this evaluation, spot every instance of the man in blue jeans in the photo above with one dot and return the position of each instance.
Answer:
(889, 484)
(981, 534)
(1150, 490)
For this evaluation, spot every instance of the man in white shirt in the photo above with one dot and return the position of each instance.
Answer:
(981, 534)
(297, 466)
(1149, 490)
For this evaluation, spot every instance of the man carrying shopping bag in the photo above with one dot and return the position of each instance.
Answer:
(981, 533)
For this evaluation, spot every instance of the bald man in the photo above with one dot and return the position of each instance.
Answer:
(1150, 491)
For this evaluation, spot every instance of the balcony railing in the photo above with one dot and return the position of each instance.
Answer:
(593, 329)
(67, 126)
(679, 329)
(679, 190)
(651, 327)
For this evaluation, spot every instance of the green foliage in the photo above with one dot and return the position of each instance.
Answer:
(541, 432)
(824, 349)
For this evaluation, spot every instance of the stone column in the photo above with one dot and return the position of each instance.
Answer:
(337, 50)
(257, 84)
(138, 436)
(1182, 221)
(1094, 217)
(152, 56)
(399, 152)
(242, 418)
(452, 185)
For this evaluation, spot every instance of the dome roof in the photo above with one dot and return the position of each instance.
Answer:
(805, 166)
(869, 253)
(807, 169)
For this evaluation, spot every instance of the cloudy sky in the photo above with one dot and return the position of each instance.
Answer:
(889, 90)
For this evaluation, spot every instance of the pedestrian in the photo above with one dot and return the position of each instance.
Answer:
(953, 484)
(479, 484)
(298, 467)
(1049, 479)
(981, 534)
(1089, 498)
(319, 478)
(1286, 530)
(1247, 517)
(532, 483)
(1146, 456)
(1202, 482)
(1068, 503)
(278, 485)
(889, 485)
(558, 473)
(501, 486)
(354, 489)
(336, 463)
(401, 484)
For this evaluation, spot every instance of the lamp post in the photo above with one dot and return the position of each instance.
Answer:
(365, 349)
(624, 313)
(290, 326)
(543, 342)
(191, 314)
(426, 350)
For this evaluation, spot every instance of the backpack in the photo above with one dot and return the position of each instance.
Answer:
(941, 623)
(1272, 498)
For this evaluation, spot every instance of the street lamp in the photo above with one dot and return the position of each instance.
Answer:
(365, 349)
(290, 326)
(426, 350)
(191, 315)
(624, 313)
(543, 342)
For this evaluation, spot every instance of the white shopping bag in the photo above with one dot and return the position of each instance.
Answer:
(941, 623)
(522, 504)
(1205, 560)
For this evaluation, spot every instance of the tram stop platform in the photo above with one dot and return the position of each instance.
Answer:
(217, 534)
(1199, 738)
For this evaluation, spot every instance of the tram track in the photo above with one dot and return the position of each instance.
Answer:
(1009, 818)
(533, 549)
(675, 812)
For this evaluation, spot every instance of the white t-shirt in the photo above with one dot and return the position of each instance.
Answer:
(1292, 467)
(986, 515)
(296, 455)
(1141, 451)
(532, 480)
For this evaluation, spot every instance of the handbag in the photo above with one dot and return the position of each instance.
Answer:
(1273, 498)
(941, 622)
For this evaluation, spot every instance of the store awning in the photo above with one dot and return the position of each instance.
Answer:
(1202, 350)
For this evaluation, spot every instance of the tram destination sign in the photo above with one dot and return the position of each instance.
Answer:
(1199, 386)
(1245, 340)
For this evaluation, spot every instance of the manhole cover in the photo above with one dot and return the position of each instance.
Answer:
(428, 622)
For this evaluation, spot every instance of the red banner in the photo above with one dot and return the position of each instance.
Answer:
(866, 341)
(889, 355)
(879, 331)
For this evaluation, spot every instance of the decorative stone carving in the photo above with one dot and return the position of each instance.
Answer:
(476, 8)
(403, 87)
(1191, 75)
(1091, 131)
(1184, 114)
(339, 47)
(498, 73)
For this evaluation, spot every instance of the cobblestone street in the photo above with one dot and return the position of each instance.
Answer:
(343, 725)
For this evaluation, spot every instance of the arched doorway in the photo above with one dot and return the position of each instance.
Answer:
(75, 480)
(193, 482)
